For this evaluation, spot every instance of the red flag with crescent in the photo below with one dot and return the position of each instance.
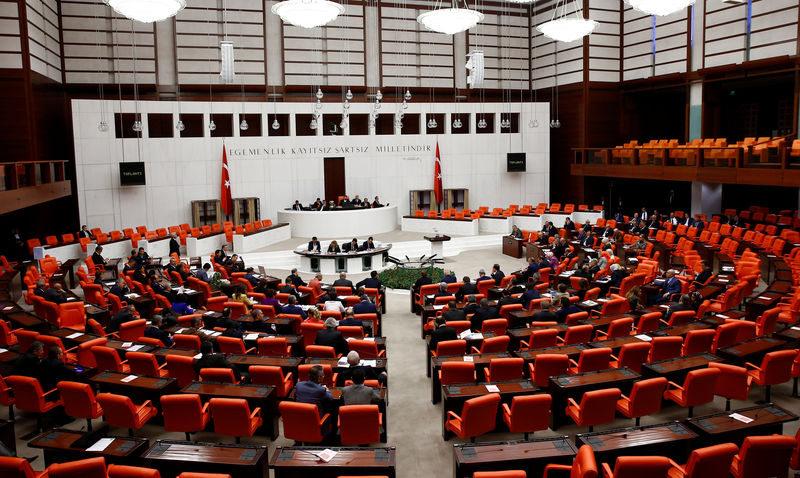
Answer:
(226, 202)
(437, 176)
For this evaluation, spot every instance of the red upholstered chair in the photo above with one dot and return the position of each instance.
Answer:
(573, 319)
(181, 368)
(457, 372)
(328, 374)
(592, 360)
(528, 413)
(631, 355)
(776, 367)
(26, 338)
(733, 383)
(367, 349)
(545, 366)
(540, 339)
(639, 466)
(663, 348)
(321, 351)
(351, 331)
(13, 467)
(584, 465)
(648, 322)
(233, 346)
(72, 315)
(698, 388)
(645, 398)
(232, 417)
(7, 337)
(220, 375)
(763, 456)
(709, 462)
(309, 331)
(617, 328)
(119, 411)
(794, 463)
(477, 417)
(186, 341)
(79, 401)
(142, 363)
(698, 341)
(6, 398)
(360, 424)
(184, 413)
(268, 375)
(191, 474)
(301, 422)
(89, 468)
(84, 352)
(29, 397)
(273, 347)
(124, 471)
(596, 408)
(577, 334)
(496, 326)
(493, 345)
(108, 360)
(680, 317)
(504, 369)
(450, 347)
(131, 331)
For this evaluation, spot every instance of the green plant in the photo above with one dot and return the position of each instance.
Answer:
(401, 278)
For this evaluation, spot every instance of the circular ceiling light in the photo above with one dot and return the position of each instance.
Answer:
(659, 7)
(147, 11)
(307, 13)
(450, 20)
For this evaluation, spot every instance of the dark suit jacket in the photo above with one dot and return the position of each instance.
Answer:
(528, 296)
(350, 247)
(369, 374)
(498, 277)
(215, 361)
(156, 333)
(27, 365)
(174, 246)
(367, 245)
(297, 281)
(563, 313)
(365, 308)
(52, 295)
(332, 338)
(544, 316)
(351, 322)
(39, 291)
(442, 334)
(671, 286)
(453, 315)
(98, 259)
(465, 290)
(343, 283)
(119, 291)
(370, 283)
(314, 246)
(704, 275)
(421, 282)
(483, 313)
(118, 319)
(52, 371)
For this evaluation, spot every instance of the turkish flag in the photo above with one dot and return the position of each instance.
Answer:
(226, 202)
(437, 176)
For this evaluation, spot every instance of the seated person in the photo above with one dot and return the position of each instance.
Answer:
(467, 289)
(313, 390)
(314, 316)
(97, 258)
(351, 246)
(120, 289)
(371, 282)
(314, 245)
(482, 276)
(423, 280)
(368, 244)
(343, 281)
(513, 287)
(672, 285)
(561, 291)
(497, 274)
(354, 363)
(249, 275)
(241, 296)
(211, 360)
(295, 279)
(531, 293)
(55, 294)
(376, 202)
(358, 393)
(345, 202)
(350, 320)
(270, 299)
(365, 306)
(126, 314)
(333, 248)
(482, 313)
(142, 257)
(331, 337)
(617, 274)
(297, 206)
(202, 273)
(471, 305)
(546, 314)
(356, 201)
(28, 363)
(442, 292)
(332, 302)
(293, 309)
(53, 370)
(154, 331)
(449, 277)
(453, 313)
(516, 233)
(567, 308)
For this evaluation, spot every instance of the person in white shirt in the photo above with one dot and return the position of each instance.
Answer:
(333, 303)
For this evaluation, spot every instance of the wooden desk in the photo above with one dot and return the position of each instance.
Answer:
(512, 247)
(573, 386)
(718, 319)
(535, 251)
(61, 445)
(677, 368)
(681, 330)
(751, 351)
(481, 361)
(673, 440)
(615, 344)
(381, 365)
(23, 319)
(789, 334)
(456, 395)
(140, 389)
(7, 435)
(573, 351)
(522, 317)
(7, 360)
(300, 462)
(525, 333)
(757, 305)
(256, 395)
(719, 427)
(172, 458)
(287, 364)
(529, 455)
(602, 323)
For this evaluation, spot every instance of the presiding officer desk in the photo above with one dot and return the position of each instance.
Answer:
(330, 263)
(346, 223)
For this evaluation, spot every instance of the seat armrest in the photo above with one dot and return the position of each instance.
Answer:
(161, 367)
(288, 376)
(49, 392)
(678, 467)
(256, 413)
(749, 365)
(454, 415)
(672, 384)
(506, 408)
(622, 396)
(324, 417)
(555, 467)
(524, 343)
(205, 407)
(559, 339)
(607, 473)
(475, 350)
(614, 358)
(573, 363)
(571, 401)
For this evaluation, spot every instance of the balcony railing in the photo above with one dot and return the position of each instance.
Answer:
(16, 175)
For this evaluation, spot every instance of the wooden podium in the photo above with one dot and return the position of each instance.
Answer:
(512, 247)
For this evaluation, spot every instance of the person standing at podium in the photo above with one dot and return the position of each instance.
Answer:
(516, 233)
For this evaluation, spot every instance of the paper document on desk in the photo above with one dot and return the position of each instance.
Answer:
(127, 344)
(132, 295)
(368, 363)
(740, 417)
(100, 444)
(492, 388)
(2, 351)
(590, 303)
(210, 312)
(129, 378)
(251, 337)
(326, 455)
(438, 307)
(198, 356)
(8, 308)
(134, 348)
(74, 336)
(343, 363)
(644, 337)
(468, 358)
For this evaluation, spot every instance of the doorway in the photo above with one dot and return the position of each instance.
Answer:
(334, 179)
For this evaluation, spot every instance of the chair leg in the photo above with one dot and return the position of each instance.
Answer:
(130, 432)
(11, 407)
(728, 405)
(188, 436)
(638, 419)
(691, 412)
(89, 424)
(238, 440)
(591, 429)
(767, 393)
(794, 387)
(526, 435)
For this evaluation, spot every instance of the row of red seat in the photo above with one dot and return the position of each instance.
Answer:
(12, 467)
(541, 208)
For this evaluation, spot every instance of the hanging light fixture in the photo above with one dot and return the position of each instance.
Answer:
(307, 13)
(432, 122)
(211, 125)
(450, 20)
(457, 123)
(243, 125)
(482, 123)
(147, 11)
(313, 124)
(562, 27)
(275, 124)
(659, 7)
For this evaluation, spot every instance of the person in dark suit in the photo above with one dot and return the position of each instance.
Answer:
(295, 279)
(55, 294)
(345, 202)
(371, 282)
(482, 276)
(28, 364)
(672, 285)
(351, 246)
(294, 309)
(365, 306)
(211, 360)
(467, 289)
(568, 224)
(506, 299)
(567, 307)
(684, 303)
(376, 202)
(53, 370)
(531, 293)
(484, 312)
(453, 313)
(368, 244)
(497, 274)
(449, 277)
(297, 206)
(288, 287)
(343, 281)
(516, 233)
(155, 331)
(617, 274)
(97, 258)
(331, 337)
(174, 245)
(442, 292)
(313, 391)
(120, 289)
(318, 204)
(85, 232)
(126, 314)
(532, 268)
(349, 320)
(704, 275)
(546, 314)
(314, 245)
(353, 360)
(423, 280)
(441, 333)
(471, 305)
(40, 289)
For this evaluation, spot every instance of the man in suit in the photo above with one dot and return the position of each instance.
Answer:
(368, 244)
(174, 245)
(28, 364)
(97, 258)
(453, 313)
(351, 246)
(546, 314)
(356, 201)
(120, 289)
(297, 206)
(359, 394)
(471, 305)
(211, 360)
(85, 232)
(484, 312)
(704, 275)
(155, 331)
(672, 285)
(331, 337)
(365, 306)
(567, 307)
(55, 294)
(442, 292)
(441, 333)
(296, 280)
(506, 299)
(40, 289)
(313, 390)
(497, 274)
(515, 233)
(531, 293)
(467, 289)
(685, 303)
(376, 202)
(449, 277)
(349, 320)
(423, 280)
(371, 282)
(345, 202)
(126, 314)
(294, 309)
(314, 245)
(53, 370)
(532, 268)
(644, 216)
(482, 276)
(560, 247)
(617, 274)
(343, 281)
(318, 204)
(354, 360)
(202, 273)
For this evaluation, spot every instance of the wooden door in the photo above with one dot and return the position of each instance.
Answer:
(334, 179)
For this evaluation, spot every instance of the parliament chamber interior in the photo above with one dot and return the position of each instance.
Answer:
(572, 225)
